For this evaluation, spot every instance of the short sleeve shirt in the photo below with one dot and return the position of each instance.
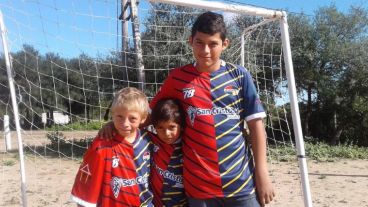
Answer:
(217, 159)
(115, 173)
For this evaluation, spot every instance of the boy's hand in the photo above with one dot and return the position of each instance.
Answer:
(265, 190)
(107, 131)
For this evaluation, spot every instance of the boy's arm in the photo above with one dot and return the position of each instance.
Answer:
(107, 131)
(89, 179)
(265, 190)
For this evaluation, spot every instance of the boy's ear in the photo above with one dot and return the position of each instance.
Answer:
(190, 40)
(143, 120)
(225, 44)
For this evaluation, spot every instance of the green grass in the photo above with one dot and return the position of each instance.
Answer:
(319, 152)
(325, 152)
(9, 162)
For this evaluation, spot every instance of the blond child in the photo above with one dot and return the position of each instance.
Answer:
(115, 171)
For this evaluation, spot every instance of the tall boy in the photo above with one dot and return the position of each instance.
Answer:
(219, 168)
(115, 171)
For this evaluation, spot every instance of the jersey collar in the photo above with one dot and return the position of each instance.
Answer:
(223, 63)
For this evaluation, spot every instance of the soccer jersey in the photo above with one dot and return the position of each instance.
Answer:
(115, 173)
(166, 174)
(217, 159)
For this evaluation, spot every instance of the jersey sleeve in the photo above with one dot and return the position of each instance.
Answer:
(89, 180)
(252, 104)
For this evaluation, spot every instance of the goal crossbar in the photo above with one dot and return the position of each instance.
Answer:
(240, 9)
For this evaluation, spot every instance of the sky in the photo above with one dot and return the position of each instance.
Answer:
(308, 7)
(72, 27)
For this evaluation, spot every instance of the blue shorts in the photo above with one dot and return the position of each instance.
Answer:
(244, 201)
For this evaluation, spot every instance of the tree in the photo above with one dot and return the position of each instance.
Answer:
(326, 62)
(165, 46)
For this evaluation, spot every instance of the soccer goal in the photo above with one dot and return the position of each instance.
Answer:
(62, 61)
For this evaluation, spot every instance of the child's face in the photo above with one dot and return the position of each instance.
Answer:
(207, 50)
(126, 122)
(168, 131)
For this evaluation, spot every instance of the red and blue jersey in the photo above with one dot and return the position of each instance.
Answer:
(115, 173)
(217, 159)
(167, 174)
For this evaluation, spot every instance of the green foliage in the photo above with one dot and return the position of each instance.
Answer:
(79, 126)
(171, 50)
(59, 145)
(8, 162)
(56, 138)
(319, 151)
(329, 50)
(325, 152)
(282, 153)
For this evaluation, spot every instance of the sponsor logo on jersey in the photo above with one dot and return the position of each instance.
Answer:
(118, 183)
(258, 101)
(231, 90)
(146, 156)
(156, 148)
(258, 104)
(115, 162)
(188, 92)
(232, 113)
(115, 186)
(191, 114)
(179, 185)
(178, 179)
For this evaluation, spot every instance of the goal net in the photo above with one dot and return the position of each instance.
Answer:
(67, 58)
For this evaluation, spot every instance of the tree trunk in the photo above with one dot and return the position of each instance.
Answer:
(88, 112)
(335, 139)
(309, 111)
(106, 116)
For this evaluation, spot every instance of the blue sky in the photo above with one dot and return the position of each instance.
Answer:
(71, 27)
(306, 6)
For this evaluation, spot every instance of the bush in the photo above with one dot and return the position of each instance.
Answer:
(318, 151)
(67, 147)
(81, 126)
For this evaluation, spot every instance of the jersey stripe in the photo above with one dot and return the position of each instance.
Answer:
(228, 131)
(231, 155)
(226, 83)
(239, 136)
(224, 120)
(223, 74)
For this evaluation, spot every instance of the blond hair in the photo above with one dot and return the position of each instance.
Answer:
(131, 99)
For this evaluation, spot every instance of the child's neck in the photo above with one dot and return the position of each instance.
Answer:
(209, 69)
(131, 138)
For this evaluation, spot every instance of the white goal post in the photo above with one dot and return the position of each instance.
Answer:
(62, 61)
